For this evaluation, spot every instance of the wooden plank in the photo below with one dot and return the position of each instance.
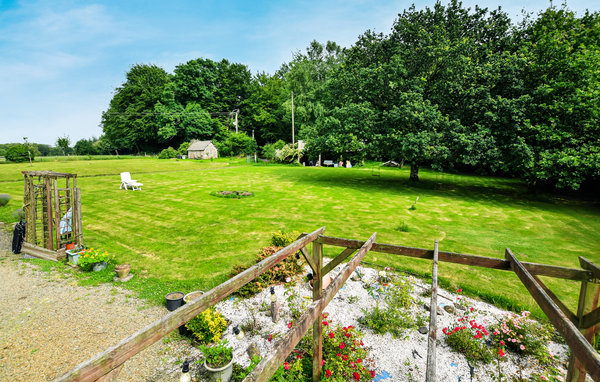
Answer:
(337, 260)
(56, 213)
(591, 319)
(265, 369)
(578, 344)
(112, 375)
(308, 259)
(461, 258)
(432, 338)
(49, 234)
(587, 264)
(77, 214)
(572, 317)
(110, 359)
(317, 342)
(588, 301)
(39, 252)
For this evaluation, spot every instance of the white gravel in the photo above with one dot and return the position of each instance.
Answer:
(402, 359)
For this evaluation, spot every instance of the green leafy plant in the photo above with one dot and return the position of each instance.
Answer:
(167, 153)
(523, 335)
(217, 355)
(208, 326)
(4, 199)
(468, 337)
(296, 303)
(280, 273)
(394, 316)
(283, 239)
(402, 227)
(90, 256)
(239, 372)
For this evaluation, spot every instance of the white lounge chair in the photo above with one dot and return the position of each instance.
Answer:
(126, 181)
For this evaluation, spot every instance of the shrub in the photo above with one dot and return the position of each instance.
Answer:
(18, 153)
(218, 355)
(288, 268)
(168, 153)
(395, 317)
(344, 357)
(283, 239)
(287, 154)
(182, 150)
(90, 256)
(4, 199)
(236, 144)
(268, 150)
(208, 326)
(522, 335)
(468, 337)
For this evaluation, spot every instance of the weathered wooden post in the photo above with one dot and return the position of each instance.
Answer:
(317, 343)
(431, 341)
(588, 302)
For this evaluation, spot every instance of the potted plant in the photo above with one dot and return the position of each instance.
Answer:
(94, 259)
(218, 361)
(174, 300)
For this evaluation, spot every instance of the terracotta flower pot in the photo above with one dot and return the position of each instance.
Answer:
(122, 270)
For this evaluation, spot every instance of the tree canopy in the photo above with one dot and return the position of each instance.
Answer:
(449, 87)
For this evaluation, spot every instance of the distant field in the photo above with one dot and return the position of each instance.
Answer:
(176, 232)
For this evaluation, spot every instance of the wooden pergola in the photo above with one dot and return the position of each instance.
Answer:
(576, 328)
(52, 206)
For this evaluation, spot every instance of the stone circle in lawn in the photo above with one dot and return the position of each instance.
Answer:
(232, 194)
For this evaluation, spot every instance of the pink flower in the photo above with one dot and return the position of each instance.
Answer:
(522, 347)
(543, 378)
(290, 324)
(322, 362)
(286, 366)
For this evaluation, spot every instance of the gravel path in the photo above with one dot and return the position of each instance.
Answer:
(49, 324)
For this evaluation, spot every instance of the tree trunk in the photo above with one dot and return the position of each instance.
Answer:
(414, 172)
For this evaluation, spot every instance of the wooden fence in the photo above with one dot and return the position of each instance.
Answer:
(577, 329)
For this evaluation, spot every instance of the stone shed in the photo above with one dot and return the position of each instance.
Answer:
(202, 150)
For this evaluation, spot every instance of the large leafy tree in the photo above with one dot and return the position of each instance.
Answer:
(130, 123)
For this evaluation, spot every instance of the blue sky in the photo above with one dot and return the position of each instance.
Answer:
(60, 61)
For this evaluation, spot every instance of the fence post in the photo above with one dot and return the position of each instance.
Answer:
(317, 325)
(588, 301)
(432, 338)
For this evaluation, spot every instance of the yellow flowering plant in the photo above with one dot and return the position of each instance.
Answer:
(208, 326)
(90, 256)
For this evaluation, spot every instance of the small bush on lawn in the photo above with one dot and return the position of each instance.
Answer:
(522, 335)
(4, 199)
(283, 239)
(394, 316)
(18, 153)
(168, 153)
(208, 326)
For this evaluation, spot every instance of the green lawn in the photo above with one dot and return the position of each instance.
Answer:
(176, 232)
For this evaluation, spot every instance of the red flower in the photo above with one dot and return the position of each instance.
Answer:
(342, 345)
(501, 353)
(325, 323)
(286, 366)
(325, 315)
(290, 324)
(270, 338)
(359, 360)
(372, 373)
(459, 291)
(345, 357)
(322, 362)
(361, 343)
(445, 330)
(339, 355)
(347, 334)
(345, 329)
(328, 373)
(352, 364)
(502, 342)
(356, 376)
(472, 309)
(331, 335)
(298, 356)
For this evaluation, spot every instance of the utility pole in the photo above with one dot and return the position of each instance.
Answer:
(293, 119)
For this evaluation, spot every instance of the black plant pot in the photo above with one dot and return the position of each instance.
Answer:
(174, 300)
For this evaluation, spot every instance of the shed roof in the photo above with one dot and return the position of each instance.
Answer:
(199, 145)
